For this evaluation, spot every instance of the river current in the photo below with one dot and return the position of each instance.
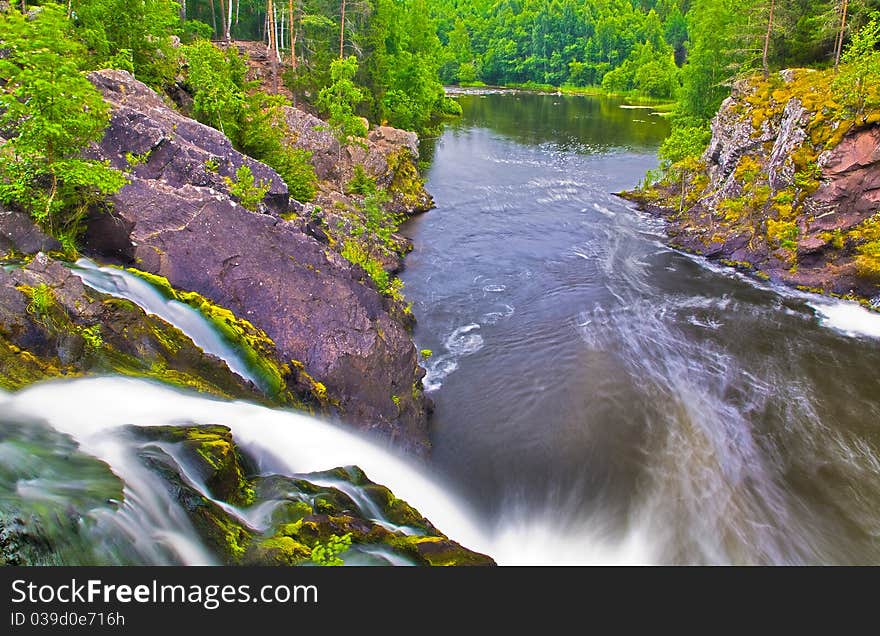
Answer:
(604, 395)
(600, 398)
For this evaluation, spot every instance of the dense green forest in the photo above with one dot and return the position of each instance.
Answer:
(379, 59)
(658, 48)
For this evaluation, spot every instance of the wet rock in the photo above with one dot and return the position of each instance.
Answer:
(20, 236)
(300, 513)
(51, 325)
(176, 219)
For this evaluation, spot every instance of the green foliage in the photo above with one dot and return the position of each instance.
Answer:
(867, 235)
(858, 84)
(253, 120)
(339, 99)
(327, 554)
(51, 112)
(216, 80)
(426, 354)
(357, 254)
(134, 160)
(783, 233)
(41, 301)
(244, 188)
(689, 138)
(135, 36)
(192, 30)
(360, 182)
(92, 337)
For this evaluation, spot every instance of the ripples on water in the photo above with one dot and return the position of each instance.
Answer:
(636, 404)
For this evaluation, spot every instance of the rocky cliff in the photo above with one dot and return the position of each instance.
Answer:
(789, 187)
(339, 345)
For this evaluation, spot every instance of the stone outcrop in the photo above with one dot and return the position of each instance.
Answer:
(789, 187)
(176, 219)
(305, 511)
(52, 326)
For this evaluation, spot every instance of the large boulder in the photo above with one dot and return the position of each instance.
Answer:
(175, 219)
(156, 143)
(52, 325)
(388, 155)
(19, 236)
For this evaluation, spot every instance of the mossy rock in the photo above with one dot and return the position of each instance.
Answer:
(277, 551)
(20, 368)
(258, 349)
(228, 538)
(215, 457)
(438, 551)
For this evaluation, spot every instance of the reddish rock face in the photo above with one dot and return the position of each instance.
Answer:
(851, 175)
(176, 219)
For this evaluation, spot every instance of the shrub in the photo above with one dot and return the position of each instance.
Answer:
(244, 188)
(52, 113)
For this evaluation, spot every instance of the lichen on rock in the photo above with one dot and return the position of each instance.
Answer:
(790, 184)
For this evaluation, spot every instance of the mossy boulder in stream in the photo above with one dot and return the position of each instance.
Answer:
(51, 325)
(270, 519)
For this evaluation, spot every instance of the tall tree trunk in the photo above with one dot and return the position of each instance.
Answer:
(182, 10)
(214, 17)
(229, 21)
(342, 30)
(767, 39)
(273, 45)
(281, 33)
(292, 35)
(225, 35)
(839, 49)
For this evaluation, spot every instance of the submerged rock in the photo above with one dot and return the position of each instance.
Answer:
(296, 514)
(176, 219)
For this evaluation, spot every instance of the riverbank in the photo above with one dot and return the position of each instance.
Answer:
(301, 283)
(789, 188)
(211, 283)
(658, 105)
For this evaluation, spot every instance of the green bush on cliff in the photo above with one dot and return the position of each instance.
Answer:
(253, 120)
(858, 84)
(340, 99)
(50, 112)
(246, 190)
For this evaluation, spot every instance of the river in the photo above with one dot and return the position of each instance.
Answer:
(603, 397)
(600, 398)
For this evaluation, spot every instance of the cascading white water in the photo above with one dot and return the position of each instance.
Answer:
(122, 284)
(281, 442)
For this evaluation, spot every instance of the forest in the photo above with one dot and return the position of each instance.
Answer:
(663, 49)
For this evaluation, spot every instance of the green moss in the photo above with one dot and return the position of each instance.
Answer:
(215, 457)
(437, 551)
(868, 260)
(407, 185)
(20, 368)
(255, 346)
(783, 233)
(279, 551)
